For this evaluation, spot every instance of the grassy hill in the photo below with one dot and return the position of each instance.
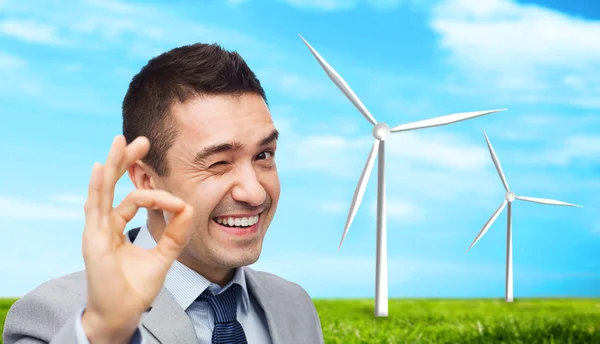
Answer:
(454, 321)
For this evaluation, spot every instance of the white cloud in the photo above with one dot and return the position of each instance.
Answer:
(530, 53)
(30, 31)
(337, 5)
(334, 207)
(428, 165)
(329, 5)
(442, 150)
(9, 61)
(580, 147)
(91, 24)
(502, 33)
(295, 85)
(12, 208)
(116, 6)
(400, 209)
(75, 199)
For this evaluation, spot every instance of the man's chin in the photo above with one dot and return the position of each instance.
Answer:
(238, 258)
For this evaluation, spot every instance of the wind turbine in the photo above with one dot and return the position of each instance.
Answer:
(381, 132)
(509, 197)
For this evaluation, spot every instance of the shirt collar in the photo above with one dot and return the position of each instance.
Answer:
(186, 284)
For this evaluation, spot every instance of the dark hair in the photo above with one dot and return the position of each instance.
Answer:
(176, 76)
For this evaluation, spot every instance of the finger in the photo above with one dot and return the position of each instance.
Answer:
(122, 156)
(176, 236)
(151, 199)
(115, 156)
(135, 151)
(92, 203)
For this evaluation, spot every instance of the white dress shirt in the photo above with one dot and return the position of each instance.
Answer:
(186, 285)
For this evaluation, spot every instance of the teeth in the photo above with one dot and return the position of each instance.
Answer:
(238, 221)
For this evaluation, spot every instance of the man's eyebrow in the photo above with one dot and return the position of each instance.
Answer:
(220, 148)
(272, 137)
(229, 147)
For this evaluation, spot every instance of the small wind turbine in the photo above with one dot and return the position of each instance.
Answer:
(381, 132)
(508, 199)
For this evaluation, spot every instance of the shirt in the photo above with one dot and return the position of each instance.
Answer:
(186, 285)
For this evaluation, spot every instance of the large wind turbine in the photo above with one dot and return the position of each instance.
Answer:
(507, 202)
(381, 132)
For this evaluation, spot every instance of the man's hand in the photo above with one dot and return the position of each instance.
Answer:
(124, 279)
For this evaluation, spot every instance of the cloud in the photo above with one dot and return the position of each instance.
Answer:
(75, 199)
(339, 5)
(441, 150)
(30, 31)
(326, 5)
(295, 85)
(578, 147)
(428, 165)
(10, 61)
(334, 207)
(526, 52)
(90, 24)
(19, 209)
(400, 209)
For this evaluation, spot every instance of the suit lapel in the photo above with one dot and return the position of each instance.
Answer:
(276, 312)
(168, 322)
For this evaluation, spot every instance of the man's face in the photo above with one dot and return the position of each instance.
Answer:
(222, 164)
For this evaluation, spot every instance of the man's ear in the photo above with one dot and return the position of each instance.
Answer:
(141, 176)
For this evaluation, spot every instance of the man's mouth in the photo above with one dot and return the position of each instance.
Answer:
(244, 224)
(237, 221)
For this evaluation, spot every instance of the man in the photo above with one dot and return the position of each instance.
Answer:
(199, 146)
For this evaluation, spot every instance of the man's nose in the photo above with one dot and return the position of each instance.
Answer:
(248, 188)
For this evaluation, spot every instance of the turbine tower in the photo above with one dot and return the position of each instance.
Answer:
(509, 197)
(381, 131)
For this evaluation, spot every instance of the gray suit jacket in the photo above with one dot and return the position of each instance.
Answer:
(47, 314)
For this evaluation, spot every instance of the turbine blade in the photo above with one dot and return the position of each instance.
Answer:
(547, 201)
(496, 162)
(360, 189)
(341, 84)
(442, 120)
(488, 224)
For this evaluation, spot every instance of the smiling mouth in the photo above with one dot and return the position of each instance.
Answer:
(238, 222)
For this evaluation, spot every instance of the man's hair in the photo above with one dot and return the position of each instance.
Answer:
(176, 76)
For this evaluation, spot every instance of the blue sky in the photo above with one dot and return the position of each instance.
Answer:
(65, 66)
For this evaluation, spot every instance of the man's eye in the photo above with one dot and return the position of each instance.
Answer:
(220, 163)
(265, 155)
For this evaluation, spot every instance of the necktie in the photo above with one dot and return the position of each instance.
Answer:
(227, 329)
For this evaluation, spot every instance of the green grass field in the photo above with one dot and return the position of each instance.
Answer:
(454, 321)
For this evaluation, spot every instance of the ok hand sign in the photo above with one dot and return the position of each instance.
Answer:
(124, 279)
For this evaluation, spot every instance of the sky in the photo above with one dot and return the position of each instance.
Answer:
(65, 67)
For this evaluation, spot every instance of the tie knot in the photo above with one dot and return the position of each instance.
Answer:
(223, 304)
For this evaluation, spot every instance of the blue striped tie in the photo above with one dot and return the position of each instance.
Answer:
(227, 329)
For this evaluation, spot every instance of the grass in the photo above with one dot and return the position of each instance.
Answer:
(462, 321)
(4, 306)
(525, 321)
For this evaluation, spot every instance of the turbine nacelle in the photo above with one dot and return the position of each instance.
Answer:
(510, 196)
(381, 131)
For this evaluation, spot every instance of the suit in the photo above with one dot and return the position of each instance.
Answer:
(50, 312)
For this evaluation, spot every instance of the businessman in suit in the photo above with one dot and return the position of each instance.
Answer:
(198, 144)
